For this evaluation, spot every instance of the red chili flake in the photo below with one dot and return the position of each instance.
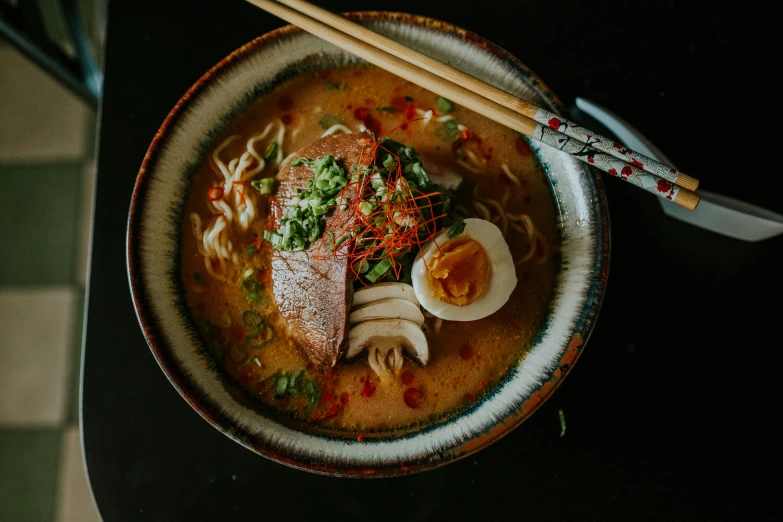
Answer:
(399, 103)
(368, 389)
(469, 397)
(407, 377)
(360, 438)
(465, 352)
(285, 103)
(335, 408)
(412, 397)
(262, 275)
(374, 125)
(287, 119)
(361, 113)
(554, 123)
(482, 384)
(522, 146)
(467, 134)
(345, 397)
(215, 193)
(327, 397)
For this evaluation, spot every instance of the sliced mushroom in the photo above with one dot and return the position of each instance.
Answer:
(384, 339)
(390, 308)
(380, 291)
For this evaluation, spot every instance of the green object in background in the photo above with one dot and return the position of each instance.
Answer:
(28, 481)
(38, 245)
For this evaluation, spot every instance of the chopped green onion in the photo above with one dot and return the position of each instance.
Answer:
(380, 268)
(264, 186)
(312, 392)
(335, 86)
(408, 99)
(251, 318)
(451, 125)
(258, 338)
(292, 378)
(445, 105)
(457, 228)
(281, 385)
(255, 361)
(390, 110)
(251, 250)
(366, 208)
(271, 151)
(252, 289)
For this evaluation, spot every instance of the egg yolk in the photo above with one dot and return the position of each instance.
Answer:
(459, 272)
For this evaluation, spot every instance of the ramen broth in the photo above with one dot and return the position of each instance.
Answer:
(467, 359)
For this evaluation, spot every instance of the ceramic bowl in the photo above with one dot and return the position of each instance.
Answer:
(153, 241)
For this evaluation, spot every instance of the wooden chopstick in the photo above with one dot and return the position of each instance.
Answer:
(551, 129)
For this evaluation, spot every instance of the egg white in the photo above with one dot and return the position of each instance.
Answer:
(502, 277)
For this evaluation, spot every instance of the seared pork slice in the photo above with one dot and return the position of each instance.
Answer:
(314, 291)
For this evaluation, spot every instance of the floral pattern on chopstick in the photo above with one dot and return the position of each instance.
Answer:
(614, 148)
(606, 162)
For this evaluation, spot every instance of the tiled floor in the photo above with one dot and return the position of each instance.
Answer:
(47, 175)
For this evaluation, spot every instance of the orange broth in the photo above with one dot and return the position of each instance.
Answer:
(467, 359)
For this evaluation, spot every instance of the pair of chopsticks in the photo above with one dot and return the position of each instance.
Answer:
(496, 104)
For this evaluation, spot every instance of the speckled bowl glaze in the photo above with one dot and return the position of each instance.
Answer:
(153, 240)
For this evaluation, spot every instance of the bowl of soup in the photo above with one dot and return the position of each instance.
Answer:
(351, 275)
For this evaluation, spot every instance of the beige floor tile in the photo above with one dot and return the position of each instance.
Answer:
(85, 220)
(74, 499)
(36, 337)
(40, 120)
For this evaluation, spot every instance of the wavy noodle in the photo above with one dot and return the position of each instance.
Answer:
(495, 211)
(511, 176)
(237, 205)
(335, 128)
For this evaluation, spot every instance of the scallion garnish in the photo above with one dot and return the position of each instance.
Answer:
(380, 268)
(390, 110)
(445, 105)
(271, 151)
(408, 99)
(301, 224)
(264, 186)
(457, 228)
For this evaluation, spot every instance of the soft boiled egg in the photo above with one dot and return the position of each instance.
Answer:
(465, 278)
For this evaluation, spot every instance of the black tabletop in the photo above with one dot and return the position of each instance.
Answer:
(671, 411)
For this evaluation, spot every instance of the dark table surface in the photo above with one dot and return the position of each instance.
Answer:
(671, 412)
